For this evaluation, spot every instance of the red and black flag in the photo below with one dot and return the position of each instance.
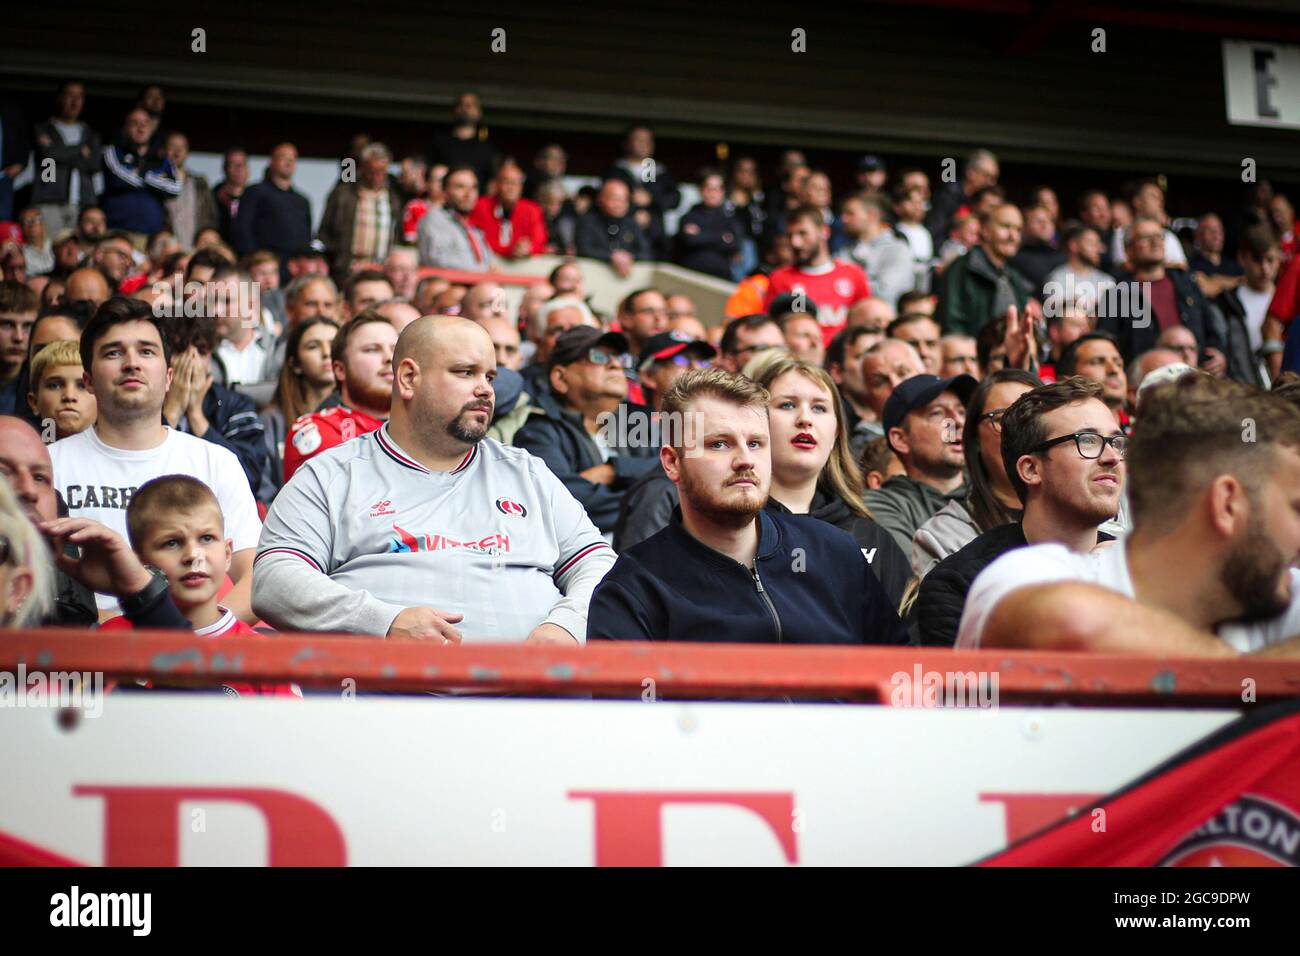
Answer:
(1232, 799)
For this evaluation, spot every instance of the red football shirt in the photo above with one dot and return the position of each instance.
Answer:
(834, 287)
(411, 216)
(312, 434)
(1286, 297)
(504, 232)
(227, 625)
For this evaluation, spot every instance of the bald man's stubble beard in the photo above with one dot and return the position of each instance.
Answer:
(468, 432)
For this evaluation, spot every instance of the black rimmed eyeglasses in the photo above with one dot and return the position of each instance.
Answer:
(994, 418)
(1089, 444)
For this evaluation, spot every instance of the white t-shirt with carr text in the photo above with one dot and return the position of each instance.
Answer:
(1106, 568)
(97, 481)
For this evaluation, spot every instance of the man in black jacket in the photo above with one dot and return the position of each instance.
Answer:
(198, 406)
(652, 188)
(1250, 334)
(708, 237)
(1067, 496)
(725, 569)
(272, 214)
(465, 142)
(609, 231)
(75, 149)
(577, 428)
(1153, 298)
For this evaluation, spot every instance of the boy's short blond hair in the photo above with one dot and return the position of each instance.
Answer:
(52, 356)
(164, 495)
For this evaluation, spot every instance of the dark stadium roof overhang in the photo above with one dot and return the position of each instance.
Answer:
(927, 77)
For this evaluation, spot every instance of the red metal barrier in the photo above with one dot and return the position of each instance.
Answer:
(671, 670)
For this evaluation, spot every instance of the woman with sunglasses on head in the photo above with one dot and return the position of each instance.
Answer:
(991, 500)
(813, 471)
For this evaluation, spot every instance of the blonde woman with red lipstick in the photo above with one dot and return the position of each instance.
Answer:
(813, 471)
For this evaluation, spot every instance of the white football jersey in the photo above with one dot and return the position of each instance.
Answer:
(363, 531)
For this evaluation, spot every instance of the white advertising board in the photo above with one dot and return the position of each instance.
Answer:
(162, 779)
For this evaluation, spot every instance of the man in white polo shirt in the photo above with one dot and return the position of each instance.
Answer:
(1209, 567)
(126, 362)
(425, 528)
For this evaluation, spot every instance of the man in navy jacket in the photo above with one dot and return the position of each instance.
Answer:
(724, 569)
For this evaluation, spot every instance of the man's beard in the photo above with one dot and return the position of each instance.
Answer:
(726, 512)
(123, 405)
(377, 397)
(802, 259)
(465, 432)
(1253, 572)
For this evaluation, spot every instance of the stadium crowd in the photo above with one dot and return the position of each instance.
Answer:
(930, 413)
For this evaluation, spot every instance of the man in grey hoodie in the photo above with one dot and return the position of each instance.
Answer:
(923, 422)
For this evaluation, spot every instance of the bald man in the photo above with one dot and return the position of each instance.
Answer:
(1144, 365)
(872, 313)
(505, 339)
(427, 528)
(87, 285)
(483, 301)
(25, 464)
(400, 314)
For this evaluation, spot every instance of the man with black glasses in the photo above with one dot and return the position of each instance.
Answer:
(1208, 569)
(1064, 456)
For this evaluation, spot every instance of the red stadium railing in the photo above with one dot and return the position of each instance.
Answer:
(870, 675)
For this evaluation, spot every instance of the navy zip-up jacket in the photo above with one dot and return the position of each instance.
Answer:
(810, 585)
(134, 189)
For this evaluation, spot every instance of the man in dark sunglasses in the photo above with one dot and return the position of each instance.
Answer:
(579, 431)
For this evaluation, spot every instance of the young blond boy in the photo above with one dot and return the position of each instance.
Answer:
(59, 394)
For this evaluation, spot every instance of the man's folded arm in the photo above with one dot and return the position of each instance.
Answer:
(1288, 648)
(1076, 616)
(292, 589)
(291, 594)
(583, 556)
(577, 583)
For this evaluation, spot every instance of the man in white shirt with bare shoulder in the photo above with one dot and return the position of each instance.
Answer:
(1209, 567)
